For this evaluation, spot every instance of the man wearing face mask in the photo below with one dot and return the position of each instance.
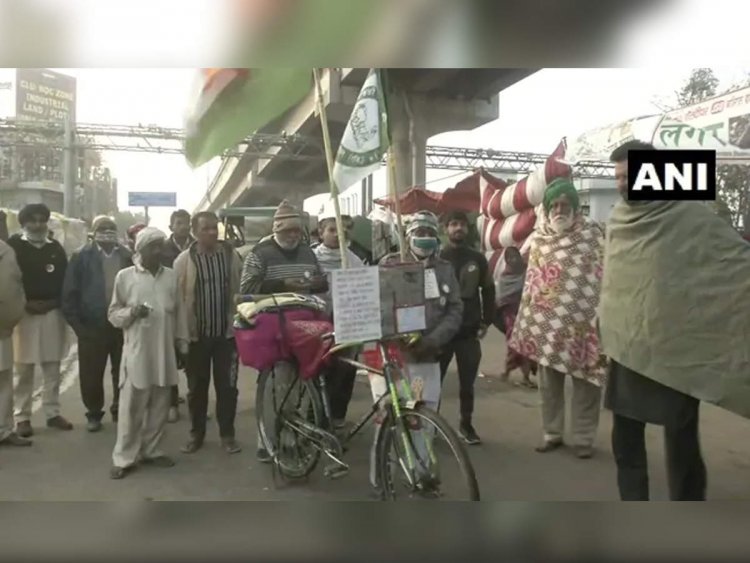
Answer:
(443, 314)
(478, 295)
(556, 323)
(444, 307)
(282, 264)
(89, 283)
(40, 337)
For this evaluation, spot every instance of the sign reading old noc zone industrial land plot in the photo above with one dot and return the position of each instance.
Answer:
(44, 95)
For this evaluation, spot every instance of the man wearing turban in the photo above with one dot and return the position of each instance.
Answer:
(41, 336)
(556, 324)
(145, 306)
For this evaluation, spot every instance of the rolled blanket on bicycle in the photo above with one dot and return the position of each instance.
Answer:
(675, 300)
(291, 335)
(289, 301)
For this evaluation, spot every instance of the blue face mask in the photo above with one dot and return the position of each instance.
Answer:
(423, 246)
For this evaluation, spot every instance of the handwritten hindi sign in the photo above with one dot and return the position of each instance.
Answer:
(356, 305)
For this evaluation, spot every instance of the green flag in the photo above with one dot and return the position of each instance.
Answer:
(366, 138)
(233, 103)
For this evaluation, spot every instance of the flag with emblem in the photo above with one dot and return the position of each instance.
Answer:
(366, 138)
(232, 103)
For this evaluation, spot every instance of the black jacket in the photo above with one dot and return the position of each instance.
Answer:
(477, 287)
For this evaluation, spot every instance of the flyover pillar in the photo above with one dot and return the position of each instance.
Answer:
(415, 118)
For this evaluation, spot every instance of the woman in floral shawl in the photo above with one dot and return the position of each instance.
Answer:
(556, 324)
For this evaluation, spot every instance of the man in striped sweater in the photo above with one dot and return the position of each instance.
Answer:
(281, 264)
(208, 277)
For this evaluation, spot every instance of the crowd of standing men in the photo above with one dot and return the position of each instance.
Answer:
(166, 303)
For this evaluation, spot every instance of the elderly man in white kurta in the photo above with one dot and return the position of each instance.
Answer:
(145, 306)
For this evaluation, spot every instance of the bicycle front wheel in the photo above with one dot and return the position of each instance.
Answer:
(420, 457)
(282, 402)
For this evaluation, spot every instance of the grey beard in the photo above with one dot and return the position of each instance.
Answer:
(286, 246)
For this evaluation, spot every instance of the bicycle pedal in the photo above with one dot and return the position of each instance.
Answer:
(336, 471)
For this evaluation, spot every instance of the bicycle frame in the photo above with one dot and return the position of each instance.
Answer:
(390, 367)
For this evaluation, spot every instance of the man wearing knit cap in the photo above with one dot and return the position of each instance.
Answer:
(89, 284)
(556, 323)
(282, 264)
(145, 306)
(41, 336)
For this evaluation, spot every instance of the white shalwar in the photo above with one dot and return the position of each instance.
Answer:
(149, 365)
(39, 340)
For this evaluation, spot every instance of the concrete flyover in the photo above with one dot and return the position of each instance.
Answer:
(425, 102)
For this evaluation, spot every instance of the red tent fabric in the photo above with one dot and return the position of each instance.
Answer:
(465, 196)
(413, 200)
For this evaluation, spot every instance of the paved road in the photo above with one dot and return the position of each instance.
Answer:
(74, 465)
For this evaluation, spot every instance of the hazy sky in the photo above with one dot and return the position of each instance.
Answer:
(534, 115)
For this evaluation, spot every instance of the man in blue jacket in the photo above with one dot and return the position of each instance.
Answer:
(87, 292)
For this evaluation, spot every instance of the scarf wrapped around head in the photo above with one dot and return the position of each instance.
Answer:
(421, 219)
(105, 230)
(559, 187)
(287, 217)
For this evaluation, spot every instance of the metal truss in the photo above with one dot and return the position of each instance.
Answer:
(457, 158)
(147, 139)
(166, 140)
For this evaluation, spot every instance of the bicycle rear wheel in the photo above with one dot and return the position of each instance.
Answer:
(282, 397)
(420, 457)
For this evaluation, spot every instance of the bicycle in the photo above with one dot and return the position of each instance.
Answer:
(406, 442)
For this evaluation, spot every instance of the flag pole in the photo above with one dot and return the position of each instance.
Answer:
(329, 162)
(396, 204)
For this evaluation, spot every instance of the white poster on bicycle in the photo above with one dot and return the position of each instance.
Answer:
(356, 305)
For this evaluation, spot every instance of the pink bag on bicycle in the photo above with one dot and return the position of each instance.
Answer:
(276, 338)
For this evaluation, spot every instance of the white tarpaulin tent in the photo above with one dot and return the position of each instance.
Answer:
(70, 233)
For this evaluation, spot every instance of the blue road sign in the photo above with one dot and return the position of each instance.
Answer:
(152, 199)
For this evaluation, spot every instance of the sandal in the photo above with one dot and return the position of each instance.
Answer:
(549, 446)
(119, 472)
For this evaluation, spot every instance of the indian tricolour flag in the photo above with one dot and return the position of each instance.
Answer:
(366, 138)
(233, 103)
